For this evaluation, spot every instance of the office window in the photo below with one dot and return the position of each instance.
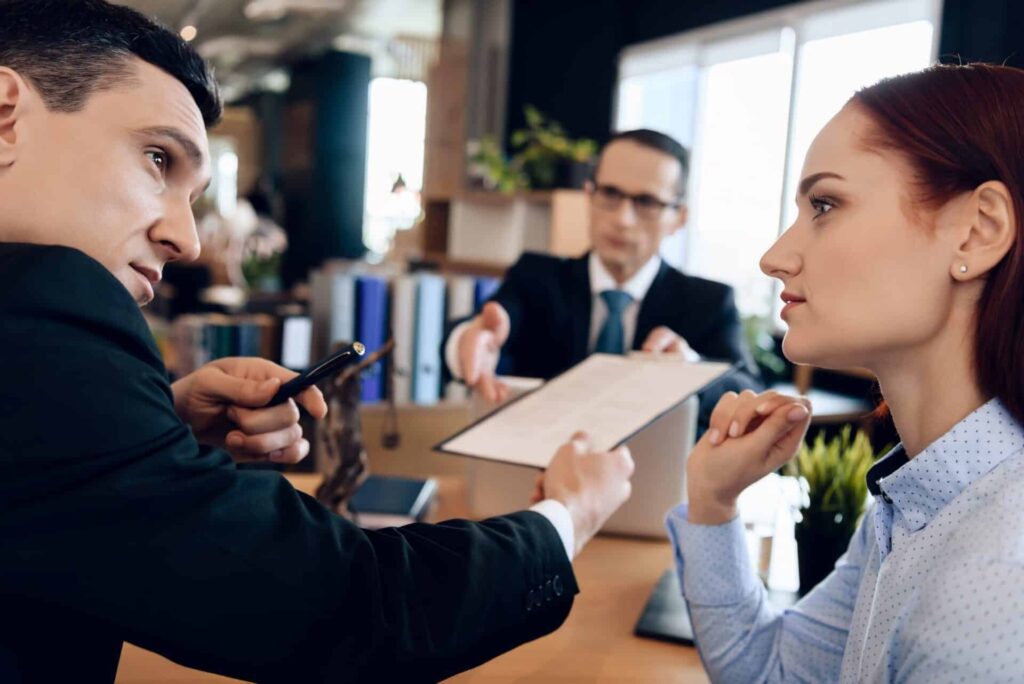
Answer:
(748, 97)
(394, 159)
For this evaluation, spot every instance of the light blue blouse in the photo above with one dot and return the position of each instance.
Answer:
(931, 588)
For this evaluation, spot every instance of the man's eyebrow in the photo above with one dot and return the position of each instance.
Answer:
(807, 183)
(192, 151)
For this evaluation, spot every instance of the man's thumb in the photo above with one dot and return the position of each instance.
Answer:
(495, 319)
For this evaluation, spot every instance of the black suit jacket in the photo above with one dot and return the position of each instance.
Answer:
(116, 525)
(548, 300)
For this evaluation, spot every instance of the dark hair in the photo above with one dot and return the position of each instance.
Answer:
(68, 49)
(655, 140)
(959, 126)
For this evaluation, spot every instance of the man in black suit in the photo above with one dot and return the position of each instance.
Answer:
(119, 517)
(550, 312)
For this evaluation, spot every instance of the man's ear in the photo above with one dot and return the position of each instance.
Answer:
(12, 104)
(682, 213)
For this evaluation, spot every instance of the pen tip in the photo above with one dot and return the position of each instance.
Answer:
(359, 348)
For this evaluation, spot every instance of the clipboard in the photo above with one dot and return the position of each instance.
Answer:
(611, 397)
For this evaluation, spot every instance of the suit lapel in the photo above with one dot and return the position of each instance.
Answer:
(652, 307)
(579, 307)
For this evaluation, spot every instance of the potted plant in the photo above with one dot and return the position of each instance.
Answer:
(548, 157)
(833, 481)
(491, 169)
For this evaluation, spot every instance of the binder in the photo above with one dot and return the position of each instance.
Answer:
(461, 304)
(341, 318)
(485, 289)
(403, 323)
(371, 329)
(426, 384)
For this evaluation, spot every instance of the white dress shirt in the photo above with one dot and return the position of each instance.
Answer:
(600, 280)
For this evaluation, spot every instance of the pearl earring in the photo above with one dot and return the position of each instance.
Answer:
(963, 268)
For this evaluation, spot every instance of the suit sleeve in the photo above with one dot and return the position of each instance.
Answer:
(109, 509)
(723, 338)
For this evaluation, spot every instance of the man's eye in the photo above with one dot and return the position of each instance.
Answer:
(159, 159)
(648, 202)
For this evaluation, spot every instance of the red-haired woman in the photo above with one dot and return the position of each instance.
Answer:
(907, 258)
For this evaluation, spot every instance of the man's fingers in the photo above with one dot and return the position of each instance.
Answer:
(262, 420)
(312, 399)
(265, 443)
(241, 391)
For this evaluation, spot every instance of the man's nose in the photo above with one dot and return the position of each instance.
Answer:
(176, 234)
(625, 212)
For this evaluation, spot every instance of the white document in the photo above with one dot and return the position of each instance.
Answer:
(609, 397)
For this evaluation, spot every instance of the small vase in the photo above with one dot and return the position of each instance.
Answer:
(821, 538)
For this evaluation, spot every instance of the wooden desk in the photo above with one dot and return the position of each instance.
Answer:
(596, 643)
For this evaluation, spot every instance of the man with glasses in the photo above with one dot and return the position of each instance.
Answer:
(551, 312)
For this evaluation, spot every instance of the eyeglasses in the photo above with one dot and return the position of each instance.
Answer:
(647, 207)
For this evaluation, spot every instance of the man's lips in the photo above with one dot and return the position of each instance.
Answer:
(149, 277)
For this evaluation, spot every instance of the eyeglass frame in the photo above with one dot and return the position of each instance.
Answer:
(659, 205)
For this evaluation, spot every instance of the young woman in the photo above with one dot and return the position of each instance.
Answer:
(907, 258)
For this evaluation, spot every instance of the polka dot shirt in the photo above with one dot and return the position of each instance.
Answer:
(931, 588)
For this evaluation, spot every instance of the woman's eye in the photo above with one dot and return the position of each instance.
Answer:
(159, 159)
(821, 206)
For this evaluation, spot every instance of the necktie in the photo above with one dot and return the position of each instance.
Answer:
(611, 339)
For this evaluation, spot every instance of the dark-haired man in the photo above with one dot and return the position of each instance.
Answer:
(115, 524)
(550, 312)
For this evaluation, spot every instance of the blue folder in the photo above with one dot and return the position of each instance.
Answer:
(371, 330)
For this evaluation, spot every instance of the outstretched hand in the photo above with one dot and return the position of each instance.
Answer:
(479, 350)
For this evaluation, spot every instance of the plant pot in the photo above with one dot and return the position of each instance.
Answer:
(573, 174)
(820, 541)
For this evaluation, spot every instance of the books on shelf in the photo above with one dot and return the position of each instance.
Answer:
(201, 338)
(391, 501)
(356, 301)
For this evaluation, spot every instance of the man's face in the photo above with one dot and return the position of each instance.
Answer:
(625, 236)
(115, 180)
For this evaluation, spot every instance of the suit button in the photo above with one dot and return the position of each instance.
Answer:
(557, 586)
(529, 600)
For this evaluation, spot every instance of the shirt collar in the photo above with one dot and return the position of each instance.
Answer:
(636, 287)
(920, 487)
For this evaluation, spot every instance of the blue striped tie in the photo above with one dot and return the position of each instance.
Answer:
(612, 338)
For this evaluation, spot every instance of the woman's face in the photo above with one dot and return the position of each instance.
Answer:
(867, 274)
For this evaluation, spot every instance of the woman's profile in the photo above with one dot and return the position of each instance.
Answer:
(907, 258)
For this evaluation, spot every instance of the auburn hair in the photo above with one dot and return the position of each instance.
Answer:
(959, 126)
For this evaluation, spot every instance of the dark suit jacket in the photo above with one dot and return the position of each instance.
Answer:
(548, 300)
(116, 525)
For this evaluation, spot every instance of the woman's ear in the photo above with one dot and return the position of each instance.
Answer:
(12, 97)
(989, 232)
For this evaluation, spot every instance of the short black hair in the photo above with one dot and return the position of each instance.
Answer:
(68, 49)
(656, 140)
